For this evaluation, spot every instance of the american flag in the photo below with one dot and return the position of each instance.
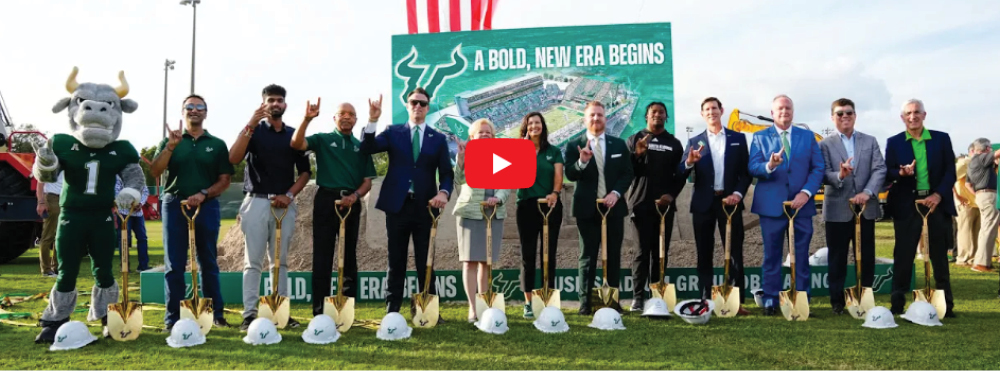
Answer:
(452, 15)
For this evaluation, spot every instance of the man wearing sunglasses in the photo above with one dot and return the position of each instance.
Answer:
(198, 171)
(854, 173)
(274, 174)
(419, 175)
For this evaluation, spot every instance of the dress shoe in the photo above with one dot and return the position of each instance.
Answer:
(638, 305)
(896, 311)
(981, 269)
(168, 328)
(950, 314)
(49, 328)
(585, 310)
(838, 309)
(292, 323)
(246, 323)
(221, 322)
(743, 311)
(770, 311)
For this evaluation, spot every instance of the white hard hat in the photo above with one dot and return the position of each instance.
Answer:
(607, 319)
(922, 313)
(262, 331)
(758, 297)
(879, 317)
(494, 321)
(393, 327)
(321, 330)
(820, 257)
(656, 307)
(695, 311)
(72, 335)
(551, 320)
(186, 333)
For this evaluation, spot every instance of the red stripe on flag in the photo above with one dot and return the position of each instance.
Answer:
(455, 12)
(433, 21)
(411, 16)
(477, 13)
(488, 21)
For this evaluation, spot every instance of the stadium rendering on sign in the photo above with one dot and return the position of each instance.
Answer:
(560, 99)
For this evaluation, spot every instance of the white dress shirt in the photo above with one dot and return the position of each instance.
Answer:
(717, 145)
(598, 140)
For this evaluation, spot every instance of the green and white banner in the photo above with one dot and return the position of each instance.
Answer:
(372, 285)
(504, 74)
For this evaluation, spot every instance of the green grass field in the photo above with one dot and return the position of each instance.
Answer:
(756, 342)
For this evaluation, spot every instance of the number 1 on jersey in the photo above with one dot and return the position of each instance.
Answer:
(92, 170)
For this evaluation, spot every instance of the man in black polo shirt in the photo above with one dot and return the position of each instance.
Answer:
(655, 156)
(198, 171)
(269, 181)
(343, 173)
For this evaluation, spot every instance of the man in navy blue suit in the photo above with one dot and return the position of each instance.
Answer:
(719, 158)
(920, 167)
(788, 165)
(418, 159)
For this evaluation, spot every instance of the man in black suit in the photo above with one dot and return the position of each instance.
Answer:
(419, 175)
(719, 158)
(655, 156)
(920, 166)
(601, 167)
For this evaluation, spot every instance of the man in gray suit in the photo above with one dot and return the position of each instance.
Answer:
(855, 172)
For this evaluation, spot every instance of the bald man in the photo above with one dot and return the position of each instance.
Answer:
(343, 173)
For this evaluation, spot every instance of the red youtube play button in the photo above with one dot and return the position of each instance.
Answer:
(500, 163)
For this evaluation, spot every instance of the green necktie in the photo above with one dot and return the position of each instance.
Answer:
(416, 143)
(784, 145)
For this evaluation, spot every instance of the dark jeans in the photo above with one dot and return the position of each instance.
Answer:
(704, 238)
(411, 220)
(177, 254)
(529, 227)
(839, 237)
(908, 230)
(646, 265)
(326, 232)
(136, 226)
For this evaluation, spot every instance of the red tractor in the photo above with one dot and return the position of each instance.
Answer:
(20, 224)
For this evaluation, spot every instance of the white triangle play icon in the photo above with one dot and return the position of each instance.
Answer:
(499, 163)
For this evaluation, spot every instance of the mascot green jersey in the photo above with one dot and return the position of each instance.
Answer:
(90, 157)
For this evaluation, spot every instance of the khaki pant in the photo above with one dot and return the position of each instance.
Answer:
(989, 217)
(968, 232)
(47, 261)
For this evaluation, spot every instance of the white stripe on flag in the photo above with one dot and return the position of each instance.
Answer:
(422, 17)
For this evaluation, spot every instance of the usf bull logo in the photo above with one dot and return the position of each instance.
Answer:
(424, 75)
(507, 287)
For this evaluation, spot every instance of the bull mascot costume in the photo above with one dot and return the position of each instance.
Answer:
(90, 157)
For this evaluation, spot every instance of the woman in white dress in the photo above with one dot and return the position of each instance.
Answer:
(471, 225)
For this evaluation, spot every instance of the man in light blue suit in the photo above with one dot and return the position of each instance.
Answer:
(788, 165)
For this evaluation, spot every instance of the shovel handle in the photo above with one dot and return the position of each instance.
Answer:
(489, 247)
(124, 253)
(545, 242)
(604, 240)
(857, 243)
(193, 249)
(430, 249)
(277, 250)
(925, 246)
(663, 242)
(341, 245)
(728, 243)
(791, 242)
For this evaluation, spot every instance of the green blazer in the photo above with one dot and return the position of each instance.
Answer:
(617, 176)
(467, 205)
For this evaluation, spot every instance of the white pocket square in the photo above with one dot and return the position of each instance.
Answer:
(616, 155)
(734, 144)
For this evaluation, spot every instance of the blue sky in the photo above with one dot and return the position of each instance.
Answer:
(878, 53)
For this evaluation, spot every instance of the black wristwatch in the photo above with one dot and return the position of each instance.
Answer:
(204, 192)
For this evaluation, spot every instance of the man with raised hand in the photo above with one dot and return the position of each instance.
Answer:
(788, 165)
(855, 172)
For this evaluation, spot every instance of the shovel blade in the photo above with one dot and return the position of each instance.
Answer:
(124, 321)
(936, 299)
(275, 308)
(541, 298)
(341, 310)
(858, 305)
(202, 314)
(428, 310)
(487, 301)
(726, 306)
(794, 308)
(606, 297)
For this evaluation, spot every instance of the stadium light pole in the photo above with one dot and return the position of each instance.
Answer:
(167, 66)
(194, 33)
(689, 129)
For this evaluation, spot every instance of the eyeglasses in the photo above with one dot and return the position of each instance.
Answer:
(192, 107)
(843, 113)
(421, 103)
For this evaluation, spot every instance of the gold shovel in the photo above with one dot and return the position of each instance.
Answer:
(663, 290)
(794, 304)
(428, 309)
(858, 299)
(545, 296)
(275, 307)
(928, 293)
(489, 299)
(606, 296)
(340, 308)
(197, 309)
(727, 296)
(125, 318)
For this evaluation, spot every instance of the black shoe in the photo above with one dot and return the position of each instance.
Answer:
(770, 311)
(105, 332)
(838, 309)
(49, 328)
(246, 323)
(585, 310)
(896, 311)
(950, 314)
(292, 323)
(221, 322)
(440, 319)
(168, 328)
(638, 305)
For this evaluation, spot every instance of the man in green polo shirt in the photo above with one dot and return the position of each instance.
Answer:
(343, 173)
(198, 171)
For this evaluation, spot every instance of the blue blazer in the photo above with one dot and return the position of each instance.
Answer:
(735, 175)
(433, 165)
(940, 171)
(804, 171)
